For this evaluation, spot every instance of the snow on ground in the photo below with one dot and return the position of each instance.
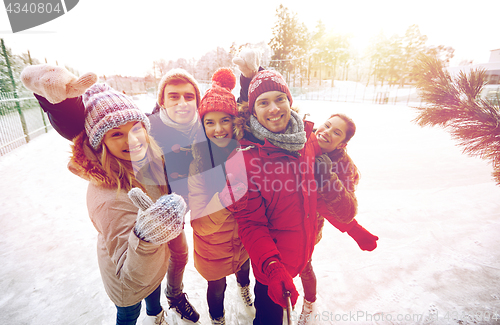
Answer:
(436, 211)
(145, 102)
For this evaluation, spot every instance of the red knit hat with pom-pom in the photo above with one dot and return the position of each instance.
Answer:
(219, 97)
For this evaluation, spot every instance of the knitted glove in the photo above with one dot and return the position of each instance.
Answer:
(280, 281)
(55, 83)
(366, 241)
(158, 222)
(248, 62)
(234, 198)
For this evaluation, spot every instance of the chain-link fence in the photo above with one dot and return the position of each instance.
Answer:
(21, 119)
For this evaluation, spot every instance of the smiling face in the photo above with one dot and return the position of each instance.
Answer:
(128, 141)
(180, 102)
(272, 110)
(218, 128)
(331, 134)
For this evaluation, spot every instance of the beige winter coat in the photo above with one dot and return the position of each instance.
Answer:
(218, 251)
(131, 268)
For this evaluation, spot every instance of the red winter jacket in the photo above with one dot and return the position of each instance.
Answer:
(280, 214)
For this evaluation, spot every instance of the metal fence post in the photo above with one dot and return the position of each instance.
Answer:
(18, 105)
(43, 119)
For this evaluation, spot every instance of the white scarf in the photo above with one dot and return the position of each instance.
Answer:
(189, 129)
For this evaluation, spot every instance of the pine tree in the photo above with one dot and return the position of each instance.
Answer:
(454, 103)
(289, 42)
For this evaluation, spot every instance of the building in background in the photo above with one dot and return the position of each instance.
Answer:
(492, 68)
(491, 91)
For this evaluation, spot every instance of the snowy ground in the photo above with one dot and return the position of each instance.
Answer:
(436, 211)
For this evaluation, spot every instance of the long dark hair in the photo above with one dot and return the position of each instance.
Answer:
(339, 156)
(351, 127)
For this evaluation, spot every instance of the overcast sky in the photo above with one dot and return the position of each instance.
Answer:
(125, 37)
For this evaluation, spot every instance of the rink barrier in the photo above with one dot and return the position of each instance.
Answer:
(21, 120)
(353, 92)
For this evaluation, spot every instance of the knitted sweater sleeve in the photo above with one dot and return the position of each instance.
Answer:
(244, 85)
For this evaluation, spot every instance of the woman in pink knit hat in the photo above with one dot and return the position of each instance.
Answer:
(174, 125)
(124, 167)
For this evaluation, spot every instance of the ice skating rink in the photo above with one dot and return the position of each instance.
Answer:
(436, 211)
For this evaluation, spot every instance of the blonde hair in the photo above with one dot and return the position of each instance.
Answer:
(123, 174)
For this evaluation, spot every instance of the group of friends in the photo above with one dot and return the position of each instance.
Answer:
(258, 181)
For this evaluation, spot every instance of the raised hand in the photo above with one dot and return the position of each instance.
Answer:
(55, 83)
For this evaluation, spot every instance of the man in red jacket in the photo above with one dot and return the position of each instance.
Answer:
(277, 220)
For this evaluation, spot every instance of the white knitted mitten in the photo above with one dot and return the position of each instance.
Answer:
(158, 222)
(55, 83)
(248, 62)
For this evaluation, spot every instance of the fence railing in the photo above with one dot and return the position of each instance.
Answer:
(21, 119)
(353, 92)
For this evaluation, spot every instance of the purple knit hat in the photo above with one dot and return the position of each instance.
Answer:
(264, 81)
(106, 108)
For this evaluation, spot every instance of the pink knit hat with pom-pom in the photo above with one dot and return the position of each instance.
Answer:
(105, 109)
(219, 97)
